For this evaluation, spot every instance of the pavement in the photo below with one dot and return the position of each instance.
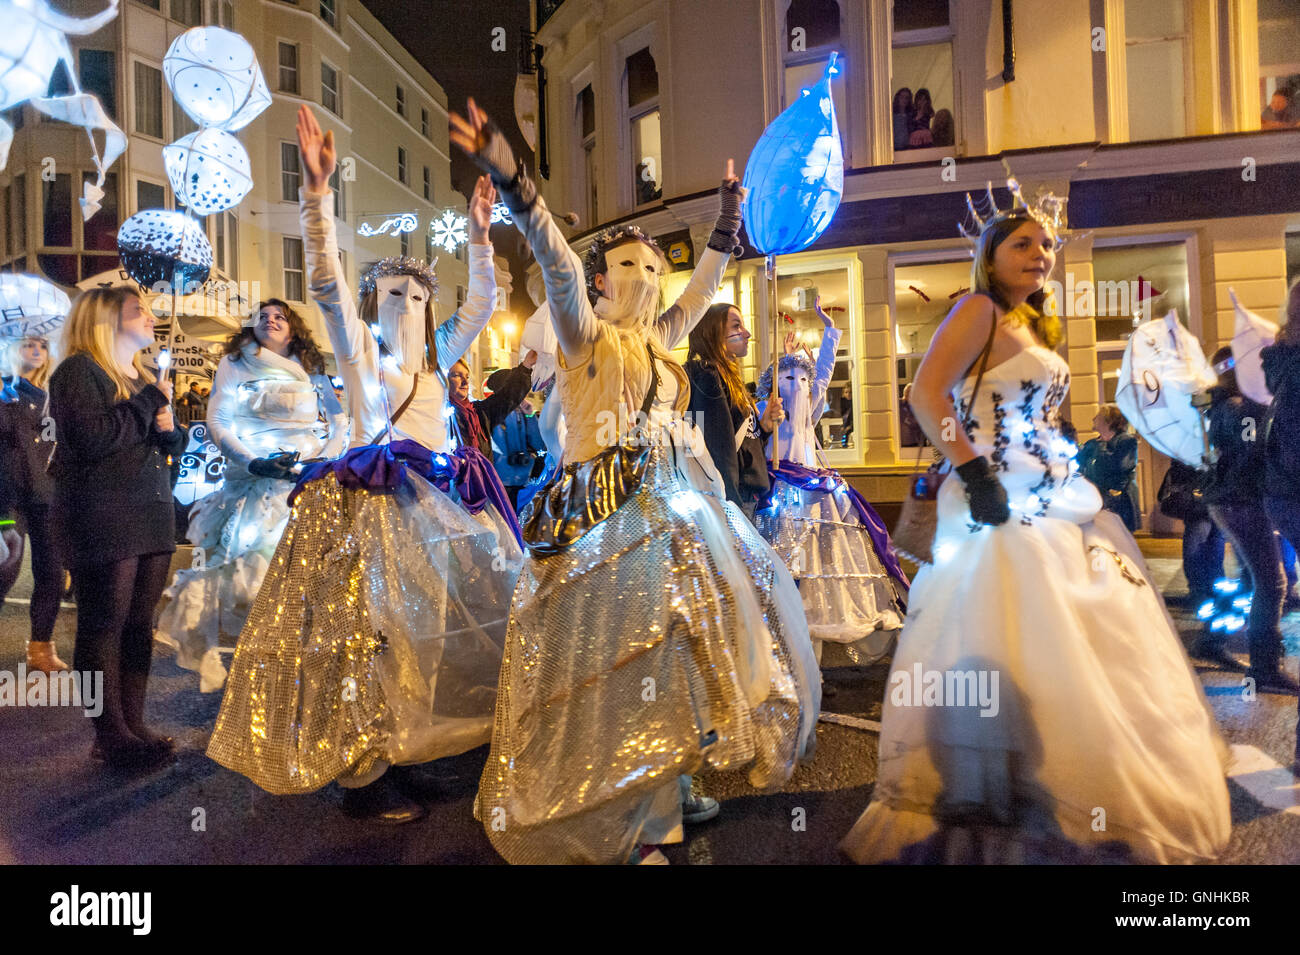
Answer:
(56, 806)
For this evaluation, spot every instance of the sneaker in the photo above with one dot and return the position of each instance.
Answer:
(699, 809)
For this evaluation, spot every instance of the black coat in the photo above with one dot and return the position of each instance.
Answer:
(24, 453)
(744, 472)
(1237, 433)
(1282, 447)
(112, 482)
(496, 407)
(1111, 465)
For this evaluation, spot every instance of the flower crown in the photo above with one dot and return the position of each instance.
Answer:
(604, 241)
(1048, 210)
(399, 265)
(798, 359)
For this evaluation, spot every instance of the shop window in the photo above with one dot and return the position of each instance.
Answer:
(1279, 63)
(923, 295)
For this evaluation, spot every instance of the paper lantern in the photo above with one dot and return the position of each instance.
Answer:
(213, 74)
(1251, 334)
(30, 305)
(795, 175)
(1163, 367)
(209, 171)
(158, 245)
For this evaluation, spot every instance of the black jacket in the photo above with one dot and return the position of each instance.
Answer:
(24, 453)
(1111, 465)
(112, 482)
(1282, 445)
(1237, 433)
(744, 471)
(496, 407)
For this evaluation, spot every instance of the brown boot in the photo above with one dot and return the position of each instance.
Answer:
(42, 656)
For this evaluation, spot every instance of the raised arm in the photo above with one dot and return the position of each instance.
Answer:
(455, 335)
(684, 314)
(825, 362)
(576, 325)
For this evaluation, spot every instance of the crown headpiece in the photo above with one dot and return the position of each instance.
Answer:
(1047, 209)
(605, 240)
(399, 265)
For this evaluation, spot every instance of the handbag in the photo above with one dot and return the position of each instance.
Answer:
(914, 532)
(1182, 500)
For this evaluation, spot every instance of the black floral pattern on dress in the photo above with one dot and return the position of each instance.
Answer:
(1001, 440)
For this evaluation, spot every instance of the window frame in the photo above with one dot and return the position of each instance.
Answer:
(403, 166)
(633, 114)
(136, 63)
(428, 185)
(929, 36)
(286, 270)
(332, 21)
(337, 108)
(281, 46)
(171, 12)
(288, 194)
(399, 102)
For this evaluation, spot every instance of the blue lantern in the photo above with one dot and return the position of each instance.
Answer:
(795, 175)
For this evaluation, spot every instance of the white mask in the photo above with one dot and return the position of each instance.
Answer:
(631, 295)
(794, 384)
(402, 300)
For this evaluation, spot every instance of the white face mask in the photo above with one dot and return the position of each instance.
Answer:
(402, 300)
(631, 295)
(795, 387)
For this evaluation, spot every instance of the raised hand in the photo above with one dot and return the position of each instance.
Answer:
(791, 346)
(318, 153)
(480, 210)
(530, 359)
(827, 321)
(483, 142)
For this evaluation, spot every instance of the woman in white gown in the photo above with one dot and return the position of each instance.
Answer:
(271, 404)
(376, 638)
(854, 590)
(1040, 705)
(653, 631)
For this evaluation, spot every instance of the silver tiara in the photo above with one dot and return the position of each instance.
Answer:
(400, 265)
(1047, 209)
(797, 359)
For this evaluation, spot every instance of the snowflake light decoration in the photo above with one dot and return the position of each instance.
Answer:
(449, 231)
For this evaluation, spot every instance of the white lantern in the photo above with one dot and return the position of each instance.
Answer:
(30, 305)
(209, 171)
(213, 74)
(163, 246)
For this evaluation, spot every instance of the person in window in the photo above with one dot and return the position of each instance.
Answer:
(921, 115)
(1110, 462)
(639, 569)
(273, 407)
(646, 188)
(853, 588)
(26, 493)
(1032, 581)
(1280, 113)
(1234, 492)
(902, 117)
(113, 510)
(943, 130)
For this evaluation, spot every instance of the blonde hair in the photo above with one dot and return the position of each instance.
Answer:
(91, 329)
(1039, 310)
(41, 376)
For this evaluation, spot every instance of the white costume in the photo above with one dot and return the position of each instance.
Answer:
(260, 405)
(384, 584)
(849, 593)
(1078, 695)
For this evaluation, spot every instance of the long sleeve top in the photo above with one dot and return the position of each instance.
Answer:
(266, 403)
(590, 357)
(357, 353)
(112, 480)
(1236, 432)
(803, 409)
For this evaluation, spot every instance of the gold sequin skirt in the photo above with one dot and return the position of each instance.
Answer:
(376, 638)
(667, 638)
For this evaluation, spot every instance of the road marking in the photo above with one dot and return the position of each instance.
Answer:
(23, 601)
(871, 726)
(1272, 784)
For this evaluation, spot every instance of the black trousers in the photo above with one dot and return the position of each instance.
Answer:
(1250, 531)
(33, 519)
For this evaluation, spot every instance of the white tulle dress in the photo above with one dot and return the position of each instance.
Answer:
(260, 405)
(1089, 738)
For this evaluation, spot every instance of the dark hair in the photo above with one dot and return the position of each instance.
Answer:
(708, 345)
(929, 104)
(1114, 418)
(301, 345)
(943, 128)
(1227, 386)
(899, 107)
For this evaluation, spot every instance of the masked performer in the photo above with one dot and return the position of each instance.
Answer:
(271, 405)
(1038, 679)
(653, 631)
(376, 637)
(854, 590)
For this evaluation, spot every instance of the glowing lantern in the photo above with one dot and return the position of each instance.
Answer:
(161, 246)
(213, 74)
(30, 305)
(1251, 334)
(795, 175)
(209, 171)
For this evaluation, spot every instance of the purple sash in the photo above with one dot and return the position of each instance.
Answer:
(381, 468)
(816, 479)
